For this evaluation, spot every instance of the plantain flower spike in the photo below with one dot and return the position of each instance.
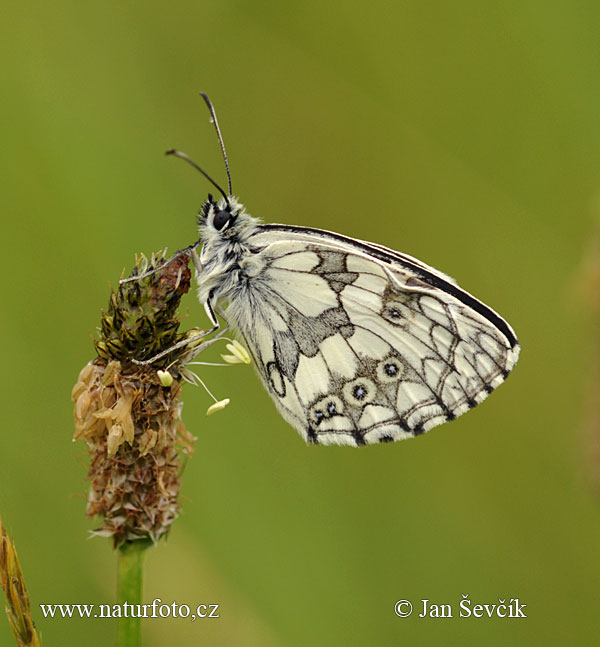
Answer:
(130, 414)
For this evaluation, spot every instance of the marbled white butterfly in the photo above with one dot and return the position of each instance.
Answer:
(356, 343)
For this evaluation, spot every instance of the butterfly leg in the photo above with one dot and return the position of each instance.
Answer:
(203, 346)
(186, 342)
(186, 250)
(210, 312)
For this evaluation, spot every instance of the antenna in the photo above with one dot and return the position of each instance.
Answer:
(213, 115)
(184, 157)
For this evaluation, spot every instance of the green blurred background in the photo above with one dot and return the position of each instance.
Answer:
(466, 134)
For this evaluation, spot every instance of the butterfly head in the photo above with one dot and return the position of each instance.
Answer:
(224, 219)
(219, 215)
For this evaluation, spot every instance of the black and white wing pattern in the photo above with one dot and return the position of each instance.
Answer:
(359, 344)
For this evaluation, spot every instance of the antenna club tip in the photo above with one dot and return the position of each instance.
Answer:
(207, 100)
(171, 151)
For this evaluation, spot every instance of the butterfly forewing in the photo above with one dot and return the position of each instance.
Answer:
(359, 344)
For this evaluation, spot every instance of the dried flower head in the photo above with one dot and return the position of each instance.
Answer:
(130, 414)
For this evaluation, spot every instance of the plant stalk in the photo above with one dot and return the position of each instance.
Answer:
(129, 590)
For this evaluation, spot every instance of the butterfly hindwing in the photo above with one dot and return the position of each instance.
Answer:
(359, 344)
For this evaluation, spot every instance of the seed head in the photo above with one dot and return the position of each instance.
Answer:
(130, 414)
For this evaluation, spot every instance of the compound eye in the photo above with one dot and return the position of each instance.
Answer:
(221, 219)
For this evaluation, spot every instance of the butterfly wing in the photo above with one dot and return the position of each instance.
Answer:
(359, 344)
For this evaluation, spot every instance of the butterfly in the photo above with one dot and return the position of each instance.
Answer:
(355, 343)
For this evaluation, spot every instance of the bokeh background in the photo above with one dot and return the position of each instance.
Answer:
(464, 133)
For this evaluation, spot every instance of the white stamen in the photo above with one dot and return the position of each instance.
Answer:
(217, 406)
(239, 355)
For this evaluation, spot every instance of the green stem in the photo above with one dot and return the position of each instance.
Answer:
(129, 589)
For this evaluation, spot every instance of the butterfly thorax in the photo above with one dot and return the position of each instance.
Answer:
(226, 259)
